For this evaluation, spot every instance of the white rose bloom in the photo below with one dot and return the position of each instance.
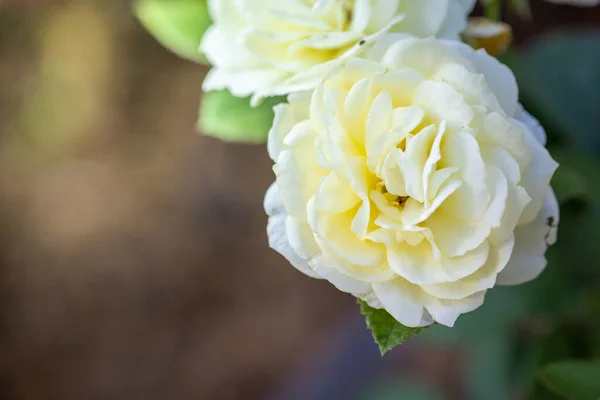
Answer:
(276, 47)
(412, 179)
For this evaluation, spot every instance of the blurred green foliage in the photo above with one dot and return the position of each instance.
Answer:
(559, 79)
(576, 380)
(516, 338)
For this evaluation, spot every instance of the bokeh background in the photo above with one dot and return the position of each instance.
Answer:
(133, 257)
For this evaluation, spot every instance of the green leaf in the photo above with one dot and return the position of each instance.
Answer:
(177, 24)
(575, 380)
(232, 119)
(387, 332)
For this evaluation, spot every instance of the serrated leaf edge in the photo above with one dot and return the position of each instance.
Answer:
(383, 349)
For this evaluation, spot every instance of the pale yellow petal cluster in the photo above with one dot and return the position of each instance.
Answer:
(276, 47)
(413, 179)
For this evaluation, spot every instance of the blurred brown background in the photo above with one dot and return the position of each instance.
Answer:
(134, 262)
(133, 258)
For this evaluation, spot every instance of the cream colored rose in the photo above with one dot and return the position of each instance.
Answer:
(276, 47)
(412, 179)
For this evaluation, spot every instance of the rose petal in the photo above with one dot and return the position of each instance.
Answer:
(403, 301)
(531, 241)
(419, 265)
(482, 279)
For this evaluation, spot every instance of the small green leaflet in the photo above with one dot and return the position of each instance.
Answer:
(387, 332)
(232, 119)
(177, 24)
(577, 380)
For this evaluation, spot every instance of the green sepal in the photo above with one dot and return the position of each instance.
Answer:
(387, 332)
(232, 119)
